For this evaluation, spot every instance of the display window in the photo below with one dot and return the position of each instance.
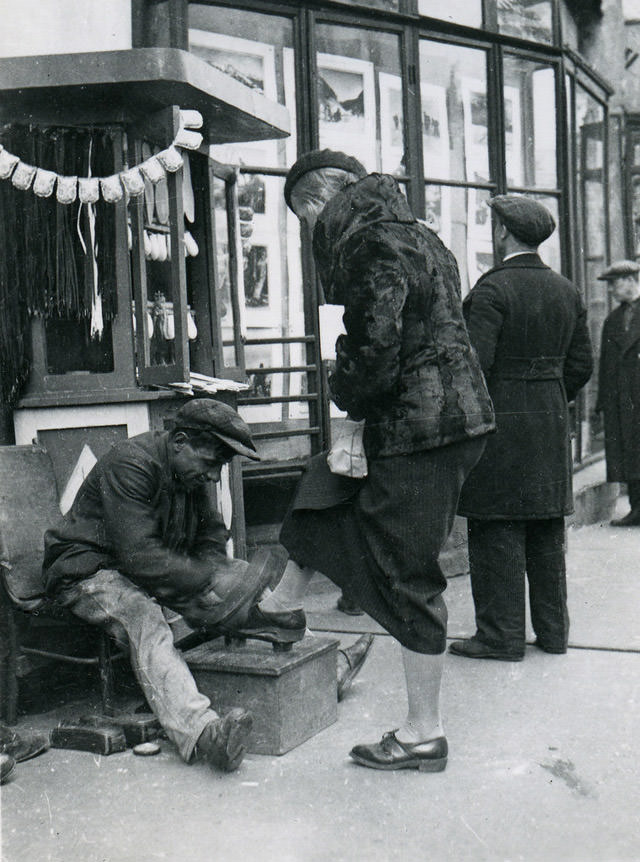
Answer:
(529, 119)
(452, 102)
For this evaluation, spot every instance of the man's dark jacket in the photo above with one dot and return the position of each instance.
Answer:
(528, 325)
(619, 394)
(405, 364)
(131, 515)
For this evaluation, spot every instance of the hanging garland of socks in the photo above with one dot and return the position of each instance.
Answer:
(88, 190)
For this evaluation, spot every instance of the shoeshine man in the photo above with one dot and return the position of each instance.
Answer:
(143, 532)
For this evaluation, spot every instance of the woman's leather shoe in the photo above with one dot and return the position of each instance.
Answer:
(390, 753)
(7, 767)
(280, 627)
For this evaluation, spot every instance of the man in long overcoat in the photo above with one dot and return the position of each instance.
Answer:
(619, 385)
(528, 325)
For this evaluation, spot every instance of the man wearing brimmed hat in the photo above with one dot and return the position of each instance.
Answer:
(144, 531)
(528, 325)
(619, 384)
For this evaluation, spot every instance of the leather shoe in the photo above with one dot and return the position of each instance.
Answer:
(350, 662)
(281, 627)
(7, 767)
(474, 648)
(223, 741)
(550, 649)
(346, 606)
(390, 753)
(21, 746)
(631, 519)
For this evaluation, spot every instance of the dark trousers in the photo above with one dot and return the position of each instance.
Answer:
(633, 490)
(501, 553)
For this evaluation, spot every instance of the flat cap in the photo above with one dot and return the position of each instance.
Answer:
(524, 217)
(218, 419)
(620, 269)
(315, 160)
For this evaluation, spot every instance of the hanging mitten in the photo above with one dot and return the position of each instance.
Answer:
(188, 140)
(170, 159)
(191, 119)
(111, 188)
(133, 182)
(7, 163)
(67, 190)
(152, 169)
(23, 176)
(44, 182)
(89, 190)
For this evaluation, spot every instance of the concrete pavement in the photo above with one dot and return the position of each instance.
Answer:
(543, 764)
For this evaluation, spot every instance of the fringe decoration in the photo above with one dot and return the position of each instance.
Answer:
(43, 268)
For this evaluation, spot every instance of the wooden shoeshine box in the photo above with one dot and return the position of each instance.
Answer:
(292, 695)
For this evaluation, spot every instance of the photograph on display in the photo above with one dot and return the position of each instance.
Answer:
(252, 64)
(479, 214)
(476, 130)
(347, 107)
(479, 259)
(262, 384)
(438, 211)
(256, 277)
(391, 124)
(513, 137)
(435, 131)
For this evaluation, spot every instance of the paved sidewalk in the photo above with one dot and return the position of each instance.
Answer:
(544, 759)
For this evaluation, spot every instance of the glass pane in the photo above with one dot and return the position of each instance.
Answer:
(273, 303)
(462, 220)
(359, 95)
(530, 124)
(71, 349)
(467, 12)
(453, 86)
(224, 286)
(527, 19)
(550, 249)
(266, 65)
(591, 207)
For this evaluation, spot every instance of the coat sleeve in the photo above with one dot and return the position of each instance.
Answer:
(368, 355)
(484, 315)
(211, 537)
(602, 364)
(578, 363)
(128, 488)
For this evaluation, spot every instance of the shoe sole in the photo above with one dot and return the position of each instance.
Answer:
(235, 730)
(271, 635)
(491, 656)
(436, 765)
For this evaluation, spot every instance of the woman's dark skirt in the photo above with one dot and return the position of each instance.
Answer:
(379, 538)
